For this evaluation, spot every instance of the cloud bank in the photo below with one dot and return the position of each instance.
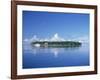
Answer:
(56, 37)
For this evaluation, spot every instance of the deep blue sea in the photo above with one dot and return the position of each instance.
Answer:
(55, 57)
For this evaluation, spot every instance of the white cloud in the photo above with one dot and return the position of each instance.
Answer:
(34, 38)
(56, 38)
(83, 39)
(26, 40)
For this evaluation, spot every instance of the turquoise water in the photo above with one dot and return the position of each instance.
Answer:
(55, 57)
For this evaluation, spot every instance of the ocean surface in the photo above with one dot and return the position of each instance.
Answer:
(55, 57)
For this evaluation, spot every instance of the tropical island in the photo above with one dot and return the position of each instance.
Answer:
(55, 42)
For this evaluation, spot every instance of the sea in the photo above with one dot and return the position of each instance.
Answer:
(37, 57)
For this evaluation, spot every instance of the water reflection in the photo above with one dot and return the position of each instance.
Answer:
(39, 57)
(54, 51)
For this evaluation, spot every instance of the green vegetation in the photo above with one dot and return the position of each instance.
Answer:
(57, 43)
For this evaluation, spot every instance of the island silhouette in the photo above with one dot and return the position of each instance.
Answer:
(54, 42)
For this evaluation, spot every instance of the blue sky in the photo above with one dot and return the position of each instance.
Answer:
(46, 24)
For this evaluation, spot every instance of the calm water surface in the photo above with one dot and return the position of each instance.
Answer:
(55, 57)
